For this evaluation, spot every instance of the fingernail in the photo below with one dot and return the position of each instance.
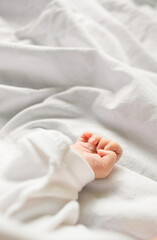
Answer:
(92, 139)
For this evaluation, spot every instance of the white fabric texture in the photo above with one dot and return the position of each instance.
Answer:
(67, 66)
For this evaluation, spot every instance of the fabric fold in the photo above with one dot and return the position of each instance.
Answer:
(47, 176)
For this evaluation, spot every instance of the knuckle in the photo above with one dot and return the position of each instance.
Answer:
(106, 140)
(113, 143)
(96, 136)
(103, 142)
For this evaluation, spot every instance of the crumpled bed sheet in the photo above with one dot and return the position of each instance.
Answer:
(67, 67)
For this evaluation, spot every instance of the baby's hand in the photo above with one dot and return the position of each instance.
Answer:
(100, 153)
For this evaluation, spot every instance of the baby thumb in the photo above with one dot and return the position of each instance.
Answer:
(104, 153)
(109, 157)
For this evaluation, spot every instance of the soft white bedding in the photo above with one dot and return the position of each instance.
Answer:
(67, 66)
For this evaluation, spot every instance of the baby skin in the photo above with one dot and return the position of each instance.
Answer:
(100, 153)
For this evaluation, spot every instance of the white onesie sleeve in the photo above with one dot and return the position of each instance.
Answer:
(40, 186)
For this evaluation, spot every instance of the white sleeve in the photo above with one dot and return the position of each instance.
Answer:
(42, 183)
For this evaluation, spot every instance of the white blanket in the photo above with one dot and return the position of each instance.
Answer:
(67, 66)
